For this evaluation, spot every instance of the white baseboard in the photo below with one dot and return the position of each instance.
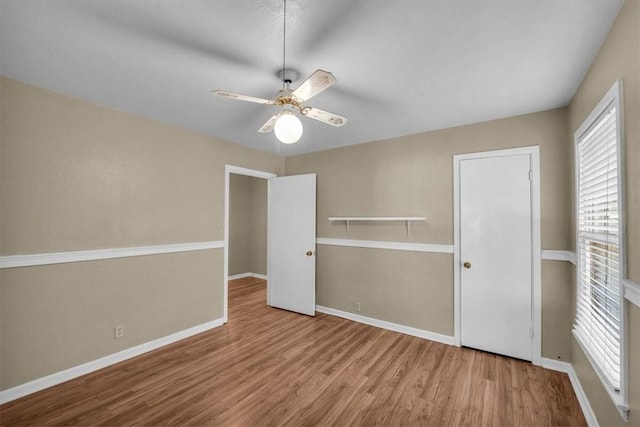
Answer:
(420, 333)
(239, 276)
(567, 368)
(77, 371)
(243, 275)
(559, 255)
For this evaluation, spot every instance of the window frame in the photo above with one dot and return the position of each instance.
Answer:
(614, 96)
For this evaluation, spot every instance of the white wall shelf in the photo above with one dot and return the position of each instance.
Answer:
(407, 219)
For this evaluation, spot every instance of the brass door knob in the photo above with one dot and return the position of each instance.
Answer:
(467, 264)
(309, 253)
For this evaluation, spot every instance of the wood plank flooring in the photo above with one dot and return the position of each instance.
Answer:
(269, 367)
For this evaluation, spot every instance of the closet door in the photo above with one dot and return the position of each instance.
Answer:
(496, 255)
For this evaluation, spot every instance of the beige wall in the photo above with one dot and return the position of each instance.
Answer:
(619, 57)
(413, 175)
(239, 224)
(78, 176)
(247, 225)
(58, 316)
(259, 225)
(408, 288)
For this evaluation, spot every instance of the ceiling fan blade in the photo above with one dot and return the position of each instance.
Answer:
(316, 83)
(268, 126)
(324, 116)
(239, 97)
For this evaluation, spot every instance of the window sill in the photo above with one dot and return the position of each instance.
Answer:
(617, 398)
(631, 291)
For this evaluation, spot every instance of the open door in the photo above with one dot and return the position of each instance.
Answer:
(292, 243)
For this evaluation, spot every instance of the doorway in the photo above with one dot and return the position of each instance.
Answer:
(291, 224)
(497, 252)
(241, 172)
(247, 227)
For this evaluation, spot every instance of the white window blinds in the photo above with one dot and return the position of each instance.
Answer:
(599, 317)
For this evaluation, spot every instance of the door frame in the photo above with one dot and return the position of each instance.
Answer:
(536, 250)
(228, 170)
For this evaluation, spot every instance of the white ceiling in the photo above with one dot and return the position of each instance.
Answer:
(402, 66)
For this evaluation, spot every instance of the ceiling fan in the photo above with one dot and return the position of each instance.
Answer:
(285, 123)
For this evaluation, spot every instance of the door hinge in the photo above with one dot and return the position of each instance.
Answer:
(530, 175)
(531, 332)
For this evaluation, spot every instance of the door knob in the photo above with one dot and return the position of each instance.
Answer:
(467, 264)
(309, 253)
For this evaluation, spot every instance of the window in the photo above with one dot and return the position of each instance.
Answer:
(600, 318)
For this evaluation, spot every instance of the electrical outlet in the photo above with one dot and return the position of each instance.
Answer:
(118, 331)
(356, 307)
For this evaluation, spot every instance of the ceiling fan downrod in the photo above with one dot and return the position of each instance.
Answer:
(284, 46)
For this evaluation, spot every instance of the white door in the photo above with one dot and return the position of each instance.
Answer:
(292, 243)
(496, 255)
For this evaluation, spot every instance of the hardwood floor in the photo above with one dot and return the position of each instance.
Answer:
(272, 367)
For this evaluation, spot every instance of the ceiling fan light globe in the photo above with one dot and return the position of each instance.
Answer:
(288, 128)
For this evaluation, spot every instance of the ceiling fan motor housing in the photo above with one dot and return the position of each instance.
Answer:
(288, 75)
(284, 97)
